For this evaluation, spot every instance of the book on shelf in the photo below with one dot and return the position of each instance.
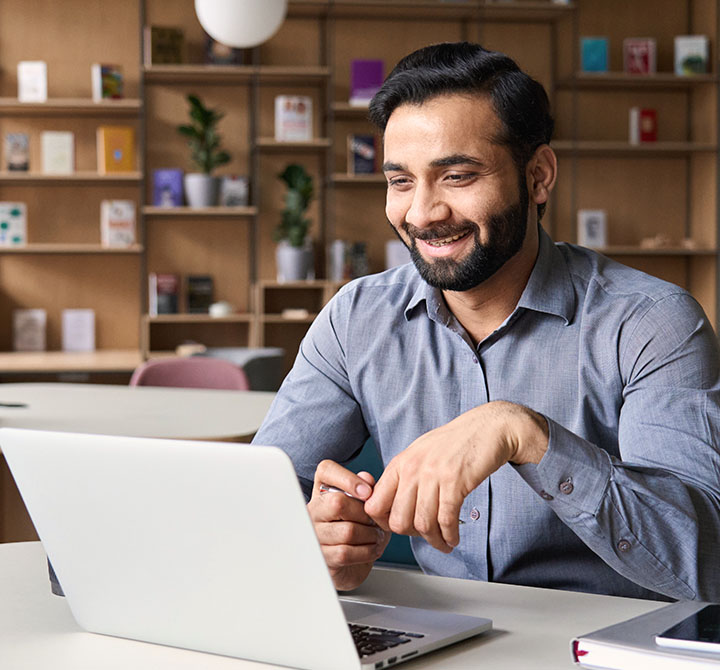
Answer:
(233, 191)
(13, 224)
(643, 125)
(78, 330)
(167, 187)
(29, 329)
(631, 644)
(17, 152)
(592, 228)
(639, 55)
(115, 149)
(32, 81)
(594, 54)
(361, 154)
(107, 82)
(293, 118)
(366, 78)
(163, 45)
(117, 223)
(57, 152)
(163, 293)
(691, 54)
(199, 292)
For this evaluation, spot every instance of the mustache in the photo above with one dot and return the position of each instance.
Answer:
(440, 231)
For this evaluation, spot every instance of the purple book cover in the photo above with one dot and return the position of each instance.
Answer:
(366, 77)
(168, 187)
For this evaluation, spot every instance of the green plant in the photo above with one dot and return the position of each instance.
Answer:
(203, 137)
(294, 225)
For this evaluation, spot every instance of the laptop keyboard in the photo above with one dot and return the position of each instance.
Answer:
(371, 639)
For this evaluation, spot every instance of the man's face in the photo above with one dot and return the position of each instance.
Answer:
(454, 195)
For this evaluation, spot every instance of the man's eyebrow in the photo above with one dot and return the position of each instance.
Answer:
(393, 167)
(455, 159)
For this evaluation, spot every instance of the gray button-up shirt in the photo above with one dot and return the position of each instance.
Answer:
(625, 367)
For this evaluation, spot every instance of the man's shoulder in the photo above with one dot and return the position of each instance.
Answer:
(393, 288)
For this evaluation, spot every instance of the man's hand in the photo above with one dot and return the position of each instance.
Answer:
(423, 487)
(350, 540)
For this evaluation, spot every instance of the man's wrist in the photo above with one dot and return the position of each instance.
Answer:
(528, 434)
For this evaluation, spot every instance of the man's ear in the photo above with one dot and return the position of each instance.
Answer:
(541, 174)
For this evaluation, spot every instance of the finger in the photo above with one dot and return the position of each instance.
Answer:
(402, 513)
(379, 504)
(426, 518)
(333, 474)
(325, 507)
(344, 555)
(348, 532)
(448, 515)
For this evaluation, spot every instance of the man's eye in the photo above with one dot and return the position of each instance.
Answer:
(460, 177)
(398, 181)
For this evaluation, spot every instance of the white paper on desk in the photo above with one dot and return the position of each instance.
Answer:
(78, 330)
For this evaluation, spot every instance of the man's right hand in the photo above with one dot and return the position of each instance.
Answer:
(350, 540)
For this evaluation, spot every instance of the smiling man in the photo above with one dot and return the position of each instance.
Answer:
(545, 416)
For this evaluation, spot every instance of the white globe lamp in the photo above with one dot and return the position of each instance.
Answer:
(241, 23)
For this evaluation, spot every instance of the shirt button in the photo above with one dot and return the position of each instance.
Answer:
(566, 487)
(474, 514)
(545, 495)
(623, 546)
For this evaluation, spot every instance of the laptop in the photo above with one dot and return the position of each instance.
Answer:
(205, 546)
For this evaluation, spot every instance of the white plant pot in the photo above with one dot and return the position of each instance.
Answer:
(201, 190)
(294, 263)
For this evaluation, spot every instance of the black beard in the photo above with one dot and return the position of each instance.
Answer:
(506, 234)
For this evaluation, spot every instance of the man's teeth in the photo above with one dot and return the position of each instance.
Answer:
(446, 240)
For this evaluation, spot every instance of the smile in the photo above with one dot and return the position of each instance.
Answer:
(446, 240)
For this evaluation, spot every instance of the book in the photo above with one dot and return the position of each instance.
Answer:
(32, 81)
(594, 54)
(107, 82)
(115, 149)
(366, 78)
(643, 125)
(117, 223)
(29, 329)
(691, 54)
(361, 154)
(233, 191)
(293, 118)
(163, 45)
(592, 228)
(17, 152)
(163, 293)
(13, 224)
(78, 330)
(639, 55)
(200, 291)
(57, 151)
(631, 643)
(167, 187)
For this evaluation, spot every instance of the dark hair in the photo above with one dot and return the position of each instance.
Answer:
(520, 102)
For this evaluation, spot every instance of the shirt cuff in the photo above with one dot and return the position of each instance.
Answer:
(573, 472)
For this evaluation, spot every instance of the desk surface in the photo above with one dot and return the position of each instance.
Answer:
(141, 411)
(533, 627)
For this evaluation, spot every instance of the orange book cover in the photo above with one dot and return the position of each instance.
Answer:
(116, 149)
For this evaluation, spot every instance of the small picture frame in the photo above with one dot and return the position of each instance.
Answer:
(592, 228)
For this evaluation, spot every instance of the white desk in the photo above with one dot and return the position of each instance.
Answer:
(141, 411)
(533, 627)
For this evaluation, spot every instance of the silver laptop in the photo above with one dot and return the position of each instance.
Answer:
(205, 546)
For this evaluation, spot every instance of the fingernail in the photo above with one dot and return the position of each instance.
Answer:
(363, 491)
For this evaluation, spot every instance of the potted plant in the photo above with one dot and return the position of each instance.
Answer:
(201, 188)
(294, 251)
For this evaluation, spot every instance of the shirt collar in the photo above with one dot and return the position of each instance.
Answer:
(549, 288)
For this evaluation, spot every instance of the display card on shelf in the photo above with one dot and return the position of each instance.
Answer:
(17, 152)
(57, 151)
(643, 125)
(163, 45)
(361, 154)
(167, 187)
(78, 330)
(29, 329)
(293, 118)
(163, 292)
(115, 149)
(691, 54)
(639, 55)
(233, 191)
(13, 224)
(200, 292)
(366, 78)
(594, 54)
(117, 223)
(107, 82)
(32, 81)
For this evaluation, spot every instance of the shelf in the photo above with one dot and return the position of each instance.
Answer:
(32, 178)
(52, 248)
(205, 212)
(111, 360)
(375, 179)
(346, 110)
(629, 250)
(271, 144)
(624, 149)
(198, 318)
(278, 318)
(662, 80)
(234, 74)
(71, 106)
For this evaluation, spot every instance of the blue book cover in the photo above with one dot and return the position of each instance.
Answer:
(168, 187)
(594, 54)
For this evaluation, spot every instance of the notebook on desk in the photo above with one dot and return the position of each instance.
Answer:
(205, 546)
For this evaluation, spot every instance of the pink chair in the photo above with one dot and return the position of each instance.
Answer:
(196, 372)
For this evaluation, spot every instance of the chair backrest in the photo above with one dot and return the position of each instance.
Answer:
(194, 372)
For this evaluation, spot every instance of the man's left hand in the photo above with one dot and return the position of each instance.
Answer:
(422, 488)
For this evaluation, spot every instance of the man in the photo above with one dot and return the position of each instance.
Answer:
(563, 406)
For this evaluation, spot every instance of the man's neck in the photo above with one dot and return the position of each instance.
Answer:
(483, 309)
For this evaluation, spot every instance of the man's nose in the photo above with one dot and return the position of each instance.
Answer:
(427, 208)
